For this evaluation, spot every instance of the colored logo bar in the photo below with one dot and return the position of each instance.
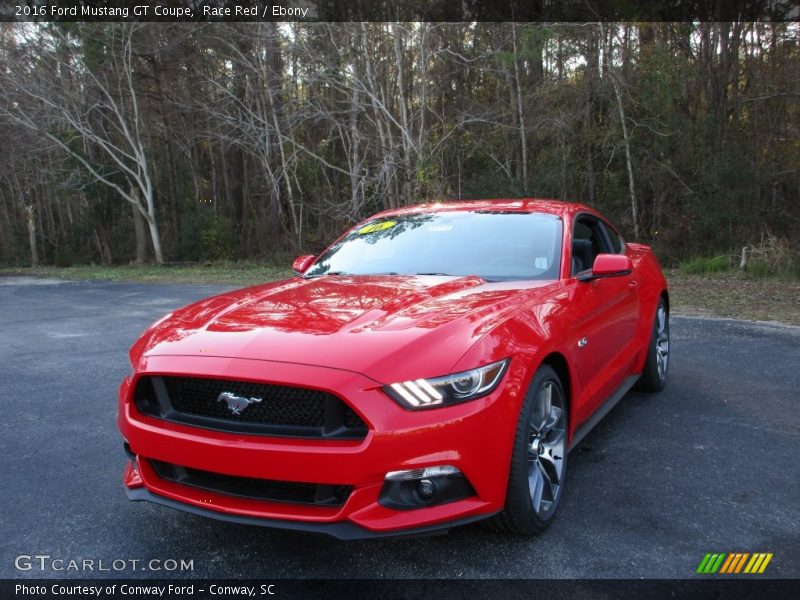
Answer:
(734, 562)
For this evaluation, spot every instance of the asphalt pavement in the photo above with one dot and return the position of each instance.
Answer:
(708, 465)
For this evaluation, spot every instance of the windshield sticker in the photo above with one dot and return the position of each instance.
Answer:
(540, 262)
(440, 228)
(373, 227)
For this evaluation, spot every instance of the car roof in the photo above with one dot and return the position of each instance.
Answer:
(554, 207)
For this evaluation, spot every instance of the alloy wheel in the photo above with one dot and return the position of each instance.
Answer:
(547, 446)
(662, 342)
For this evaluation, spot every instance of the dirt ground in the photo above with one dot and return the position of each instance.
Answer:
(736, 296)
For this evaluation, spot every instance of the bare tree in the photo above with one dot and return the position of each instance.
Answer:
(625, 137)
(84, 109)
(251, 138)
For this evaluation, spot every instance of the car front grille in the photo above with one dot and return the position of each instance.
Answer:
(248, 407)
(254, 488)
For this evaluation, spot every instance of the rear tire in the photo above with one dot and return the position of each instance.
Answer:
(656, 367)
(539, 458)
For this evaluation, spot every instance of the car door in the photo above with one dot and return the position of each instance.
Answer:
(603, 319)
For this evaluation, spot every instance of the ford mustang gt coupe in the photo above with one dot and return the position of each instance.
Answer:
(432, 367)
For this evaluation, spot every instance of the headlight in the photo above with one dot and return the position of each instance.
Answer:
(450, 389)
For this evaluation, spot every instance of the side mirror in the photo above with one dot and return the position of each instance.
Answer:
(301, 263)
(608, 265)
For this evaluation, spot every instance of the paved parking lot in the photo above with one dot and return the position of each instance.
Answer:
(710, 464)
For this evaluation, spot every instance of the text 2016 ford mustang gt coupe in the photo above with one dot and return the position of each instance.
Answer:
(432, 367)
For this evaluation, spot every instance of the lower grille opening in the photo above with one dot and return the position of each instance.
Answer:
(250, 487)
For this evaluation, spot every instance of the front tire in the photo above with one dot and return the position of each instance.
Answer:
(654, 376)
(539, 458)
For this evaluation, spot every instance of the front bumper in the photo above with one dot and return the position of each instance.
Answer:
(343, 530)
(475, 437)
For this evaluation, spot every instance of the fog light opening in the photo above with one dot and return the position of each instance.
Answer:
(428, 486)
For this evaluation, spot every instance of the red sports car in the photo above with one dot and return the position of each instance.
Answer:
(432, 367)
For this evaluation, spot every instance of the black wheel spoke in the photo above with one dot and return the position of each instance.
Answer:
(552, 420)
(550, 468)
(537, 485)
(550, 488)
(541, 412)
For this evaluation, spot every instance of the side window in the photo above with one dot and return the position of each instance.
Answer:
(587, 242)
(617, 245)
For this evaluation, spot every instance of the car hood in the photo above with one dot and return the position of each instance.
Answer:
(380, 326)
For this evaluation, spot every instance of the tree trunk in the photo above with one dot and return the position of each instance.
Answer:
(156, 239)
(408, 175)
(141, 234)
(390, 200)
(590, 117)
(523, 140)
(148, 212)
(626, 142)
(355, 162)
(30, 213)
(103, 250)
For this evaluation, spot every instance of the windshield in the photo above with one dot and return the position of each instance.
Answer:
(493, 245)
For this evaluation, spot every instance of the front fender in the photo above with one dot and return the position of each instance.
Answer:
(528, 342)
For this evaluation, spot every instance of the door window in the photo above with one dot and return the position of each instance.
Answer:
(617, 244)
(587, 242)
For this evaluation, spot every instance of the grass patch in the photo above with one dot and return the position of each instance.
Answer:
(761, 264)
(762, 268)
(241, 273)
(704, 266)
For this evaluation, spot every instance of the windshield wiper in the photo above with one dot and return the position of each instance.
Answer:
(486, 279)
(322, 274)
